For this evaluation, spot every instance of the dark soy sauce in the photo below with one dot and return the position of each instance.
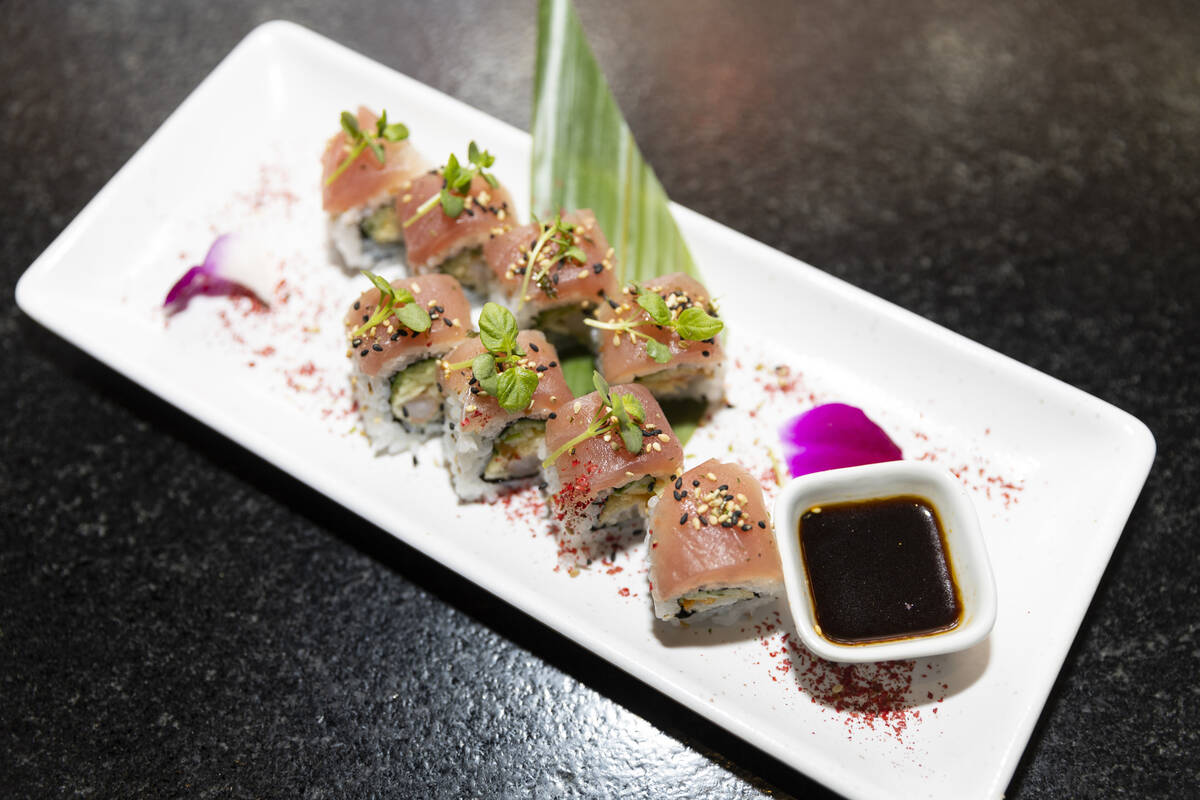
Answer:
(877, 570)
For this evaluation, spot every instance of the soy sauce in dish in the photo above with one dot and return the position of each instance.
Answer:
(878, 570)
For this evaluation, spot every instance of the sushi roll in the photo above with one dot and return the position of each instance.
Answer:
(394, 373)
(448, 214)
(359, 189)
(663, 335)
(712, 546)
(572, 275)
(489, 448)
(610, 452)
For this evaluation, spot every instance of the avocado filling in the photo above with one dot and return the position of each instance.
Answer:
(704, 599)
(626, 502)
(382, 225)
(671, 382)
(464, 267)
(564, 328)
(515, 453)
(415, 398)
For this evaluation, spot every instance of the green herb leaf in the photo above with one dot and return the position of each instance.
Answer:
(584, 155)
(655, 306)
(350, 126)
(498, 329)
(484, 370)
(658, 351)
(452, 204)
(473, 152)
(601, 387)
(396, 132)
(450, 173)
(516, 388)
(694, 324)
(380, 283)
(633, 408)
(413, 317)
(631, 432)
(574, 253)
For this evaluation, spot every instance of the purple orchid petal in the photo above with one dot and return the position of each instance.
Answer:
(833, 436)
(227, 270)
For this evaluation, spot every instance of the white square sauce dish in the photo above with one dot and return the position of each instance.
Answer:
(884, 562)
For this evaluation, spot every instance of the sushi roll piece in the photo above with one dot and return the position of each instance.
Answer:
(358, 190)
(490, 449)
(394, 373)
(571, 276)
(610, 452)
(712, 546)
(448, 214)
(663, 335)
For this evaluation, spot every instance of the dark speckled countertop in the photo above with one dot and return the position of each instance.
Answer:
(178, 618)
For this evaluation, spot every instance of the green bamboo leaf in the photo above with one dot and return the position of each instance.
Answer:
(584, 155)
(577, 370)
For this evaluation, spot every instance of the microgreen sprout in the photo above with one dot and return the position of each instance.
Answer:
(620, 414)
(693, 323)
(561, 235)
(394, 301)
(457, 182)
(501, 371)
(359, 140)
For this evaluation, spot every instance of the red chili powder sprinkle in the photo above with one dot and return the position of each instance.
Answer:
(624, 591)
(876, 698)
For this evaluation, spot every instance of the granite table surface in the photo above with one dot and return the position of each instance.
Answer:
(179, 618)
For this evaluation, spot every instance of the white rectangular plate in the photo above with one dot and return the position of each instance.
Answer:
(1054, 472)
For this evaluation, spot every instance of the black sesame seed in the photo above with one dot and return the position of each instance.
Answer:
(762, 524)
(679, 483)
(534, 347)
(364, 353)
(723, 487)
(356, 343)
(597, 268)
(704, 353)
(553, 415)
(553, 363)
(683, 519)
(366, 317)
(541, 368)
(356, 305)
(745, 527)
(695, 483)
(395, 336)
(612, 303)
(377, 348)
